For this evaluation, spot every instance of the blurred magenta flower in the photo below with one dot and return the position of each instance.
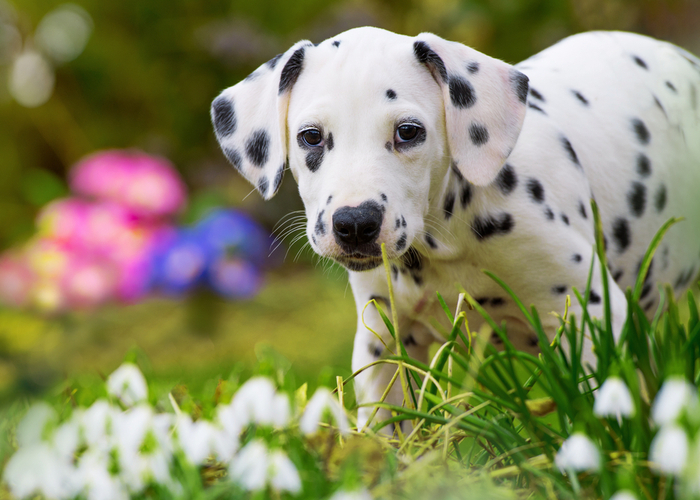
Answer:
(148, 186)
(63, 221)
(16, 280)
(88, 282)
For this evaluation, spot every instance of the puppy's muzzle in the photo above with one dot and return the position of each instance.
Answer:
(356, 229)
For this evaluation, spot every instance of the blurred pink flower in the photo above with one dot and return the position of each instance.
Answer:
(63, 221)
(148, 186)
(88, 282)
(16, 280)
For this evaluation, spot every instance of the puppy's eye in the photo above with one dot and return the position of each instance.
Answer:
(406, 132)
(311, 137)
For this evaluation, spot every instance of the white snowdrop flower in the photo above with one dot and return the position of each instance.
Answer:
(624, 495)
(321, 401)
(128, 384)
(32, 79)
(614, 400)
(283, 474)
(361, 494)
(675, 394)
(33, 427)
(228, 431)
(195, 438)
(97, 483)
(64, 32)
(98, 423)
(578, 453)
(669, 450)
(249, 467)
(66, 438)
(257, 401)
(37, 468)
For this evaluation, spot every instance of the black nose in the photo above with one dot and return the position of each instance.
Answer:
(355, 226)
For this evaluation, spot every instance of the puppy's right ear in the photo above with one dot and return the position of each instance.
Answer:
(250, 120)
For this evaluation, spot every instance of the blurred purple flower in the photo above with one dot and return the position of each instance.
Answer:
(179, 263)
(234, 278)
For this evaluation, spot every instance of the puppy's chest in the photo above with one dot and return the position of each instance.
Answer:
(417, 285)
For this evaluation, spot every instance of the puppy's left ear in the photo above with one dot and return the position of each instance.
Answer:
(485, 103)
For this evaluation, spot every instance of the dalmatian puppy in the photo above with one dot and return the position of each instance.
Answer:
(459, 162)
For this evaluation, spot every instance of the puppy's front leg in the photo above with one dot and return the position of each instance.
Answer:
(372, 382)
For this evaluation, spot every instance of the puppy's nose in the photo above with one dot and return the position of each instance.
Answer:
(355, 226)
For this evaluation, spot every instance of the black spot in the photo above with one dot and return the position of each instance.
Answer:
(593, 297)
(398, 224)
(409, 341)
(485, 227)
(417, 279)
(659, 105)
(291, 70)
(533, 341)
(617, 276)
(383, 197)
(273, 62)
(389, 146)
(649, 305)
(328, 201)
(412, 259)
(403, 221)
(646, 290)
(263, 184)
(391, 94)
(314, 158)
(496, 339)
(671, 86)
(456, 171)
(478, 134)
(559, 289)
(621, 234)
(320, 226)
(336, 43)
(576, 257)
(684, 278)
(660, 198)
(473, 67)
(430, 241)
(376, 351)
(506, 179)
(520, 84)
(401, 243)
(582, 209)
(278, 179)
(481, 300)
(449, 205)
(564, 218)
(461, 92)
(640, 62)
(313, 238)
(580, 97)
(570, 150)
(536, 190)
(234, 157)
(536, 94)
(224, 117)
(426, 56)
(465, 195)
(497, 301)
(395, 271)
(643, 165)
(637, 198)
(548, 213)
(329, 141)
(256, 148)
(536, 108)
(641, 131)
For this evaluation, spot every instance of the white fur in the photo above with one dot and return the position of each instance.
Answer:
(343, 90)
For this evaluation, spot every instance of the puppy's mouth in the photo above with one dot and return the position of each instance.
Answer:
(359, 261)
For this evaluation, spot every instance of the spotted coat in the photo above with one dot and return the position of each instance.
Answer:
(458, 162)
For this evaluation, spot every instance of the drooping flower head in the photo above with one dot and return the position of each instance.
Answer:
(578, 453)
(614, 399)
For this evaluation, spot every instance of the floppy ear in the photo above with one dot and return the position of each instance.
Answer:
(485, 103)
(250, 120)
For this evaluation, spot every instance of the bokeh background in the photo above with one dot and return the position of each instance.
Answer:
(142, 74)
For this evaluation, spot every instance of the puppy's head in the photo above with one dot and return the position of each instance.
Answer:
(369, 123)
